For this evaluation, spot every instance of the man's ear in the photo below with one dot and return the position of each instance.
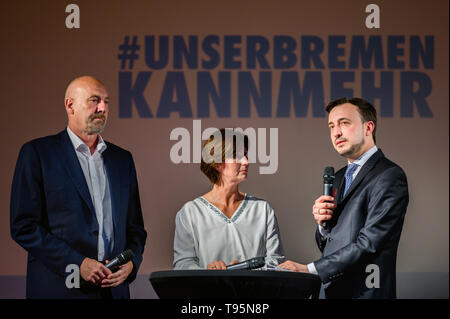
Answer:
(68, 102)
(370, 128)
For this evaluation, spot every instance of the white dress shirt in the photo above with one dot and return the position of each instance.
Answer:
(360, 161)
(97, 182)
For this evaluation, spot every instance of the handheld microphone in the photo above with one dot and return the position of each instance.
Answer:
(123, 258)
(328, 180)
(253, 263)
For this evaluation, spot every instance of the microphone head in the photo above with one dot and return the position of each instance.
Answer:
(125, 256)
(328, 175)
(256, 262)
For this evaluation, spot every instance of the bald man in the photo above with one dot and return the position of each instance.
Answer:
(75, 204)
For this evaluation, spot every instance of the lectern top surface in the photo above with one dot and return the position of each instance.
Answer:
(231, 273)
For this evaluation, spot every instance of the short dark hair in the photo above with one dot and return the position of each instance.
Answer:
(228, 149)
(366, 110)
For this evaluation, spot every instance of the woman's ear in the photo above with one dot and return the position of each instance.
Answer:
(219, 168)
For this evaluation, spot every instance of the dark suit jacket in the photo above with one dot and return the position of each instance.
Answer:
(53, 217)
(366, 228)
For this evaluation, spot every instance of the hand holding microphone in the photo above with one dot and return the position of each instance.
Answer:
(323, 210)
(93, 271)
(122, 266)
(324, 205)
(123, 258)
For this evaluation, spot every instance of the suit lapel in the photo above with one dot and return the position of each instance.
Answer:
(363, 172)
(112, 172)
(70, 161)
(340, 183)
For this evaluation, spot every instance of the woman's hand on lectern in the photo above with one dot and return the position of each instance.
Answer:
(219, 265)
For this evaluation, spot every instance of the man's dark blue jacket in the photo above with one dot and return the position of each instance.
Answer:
(53, 217)
(366, 227)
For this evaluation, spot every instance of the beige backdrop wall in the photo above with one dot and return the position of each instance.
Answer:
(40, 55)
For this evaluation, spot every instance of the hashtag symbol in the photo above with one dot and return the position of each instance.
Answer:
(128, 52)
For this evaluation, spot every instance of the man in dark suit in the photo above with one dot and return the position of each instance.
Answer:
(365, 218)
(75, 202)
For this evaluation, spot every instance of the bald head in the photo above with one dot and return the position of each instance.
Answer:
(86, 101)
(81, 83)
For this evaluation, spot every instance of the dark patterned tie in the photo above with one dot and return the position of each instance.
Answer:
(348, 176)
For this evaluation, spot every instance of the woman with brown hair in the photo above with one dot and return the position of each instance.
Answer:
(225, 225)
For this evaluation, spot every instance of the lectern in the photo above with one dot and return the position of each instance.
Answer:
(243, 284)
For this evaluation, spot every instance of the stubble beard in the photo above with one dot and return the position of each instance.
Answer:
(95, 128)
(353, 150)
